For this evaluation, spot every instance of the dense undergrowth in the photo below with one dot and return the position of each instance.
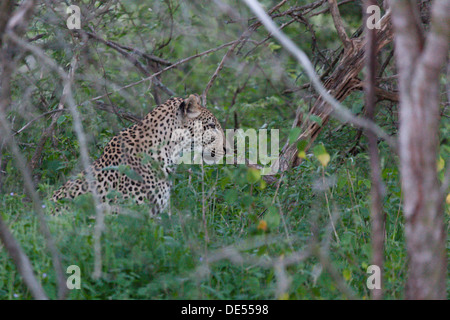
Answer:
(225, 229)
(216, 207)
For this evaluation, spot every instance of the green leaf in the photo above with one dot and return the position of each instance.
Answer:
(294, 134)
(231, 196)
(321, 154)
(272, 217)
(147, 159)
(347, 274)
(61, 119)
(440, 164)
(302, 144)
(113, 194)
(253, 175)
(301, 147)
(357, 108)
(316, 119)
(273, 46)
(130, 173)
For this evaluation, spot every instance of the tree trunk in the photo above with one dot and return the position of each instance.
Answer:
(420, 60)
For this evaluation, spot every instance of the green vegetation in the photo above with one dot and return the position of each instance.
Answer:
(162, 258)
(180, 254)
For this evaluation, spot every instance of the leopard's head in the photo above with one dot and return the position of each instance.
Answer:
(203, 132)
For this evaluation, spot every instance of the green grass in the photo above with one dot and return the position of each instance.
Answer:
(167, 257)
(170, 257)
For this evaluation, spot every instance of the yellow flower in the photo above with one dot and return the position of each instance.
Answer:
(323, 158)
(440, 164)
(262, 225)
(284, 296)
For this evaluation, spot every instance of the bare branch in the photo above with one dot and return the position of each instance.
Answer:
(37, 204)
(21, 163)
(377, 187)
(328, 9)
(22, 262)
(119, 112)
(20, 17)
(242, 38)
(130, 58)
(39, 117)
(174, 65)
(325, 260)
(339, 24)
(78, 127)
(435, 52)
(220, 66)
(408, 34)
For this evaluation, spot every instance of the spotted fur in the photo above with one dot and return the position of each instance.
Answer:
(150, 151)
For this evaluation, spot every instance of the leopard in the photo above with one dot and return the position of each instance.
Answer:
(139, 162)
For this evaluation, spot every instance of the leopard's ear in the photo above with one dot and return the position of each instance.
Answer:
(191, 107)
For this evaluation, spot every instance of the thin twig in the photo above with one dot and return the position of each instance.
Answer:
(81, 136)
(174, 65)
(245, 35)
(37, 118)
(130, 58)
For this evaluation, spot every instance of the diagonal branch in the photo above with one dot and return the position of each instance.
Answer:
(21, 261)
(67, 79)
(5, 130)
(245, 35)
(123, 51)
(174, 65)
(327, 104)
(337, 19)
